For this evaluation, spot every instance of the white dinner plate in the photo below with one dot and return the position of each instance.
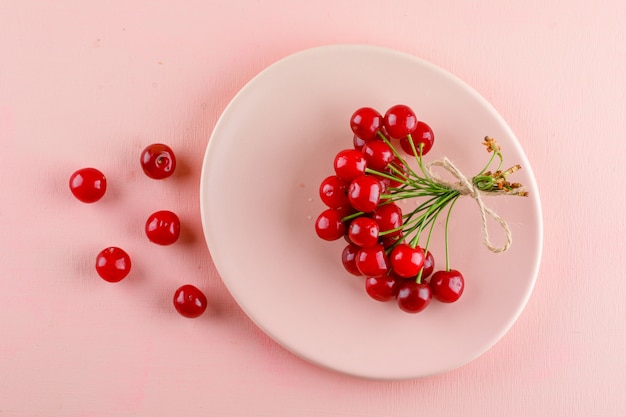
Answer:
(270, 150)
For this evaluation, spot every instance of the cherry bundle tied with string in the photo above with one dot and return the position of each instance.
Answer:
(386, 246)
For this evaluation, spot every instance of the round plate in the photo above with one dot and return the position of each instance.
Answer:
(270, 150)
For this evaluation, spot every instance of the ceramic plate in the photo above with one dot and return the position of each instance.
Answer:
(269, 151)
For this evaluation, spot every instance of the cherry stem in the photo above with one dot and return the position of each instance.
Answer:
(418, 155)
(446, 232)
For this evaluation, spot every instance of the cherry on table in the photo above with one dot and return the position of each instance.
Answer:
(113, 264)
(88, 185)
(189, 301)
(158, 161)
(163, 227)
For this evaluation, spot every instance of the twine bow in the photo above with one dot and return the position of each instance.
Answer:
(465, 186)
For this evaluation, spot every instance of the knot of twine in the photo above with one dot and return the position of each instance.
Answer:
(465, 186)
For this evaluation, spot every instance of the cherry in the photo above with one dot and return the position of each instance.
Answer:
(158, 161)
(372, 261)
(334, 192)
(350, 164)
(88, 185)
(413, 297)
(329, 226)
(388, 217)
(383, 288)
(429, 265)
(348, 259)
(423, 135)
(358, 143)
(163, 227)
(406, 261)
(389, 240)
(400, 121)
(447, 286)
(366, 122)
(377, 154)
(113, 264)
(363, 232)
(189, 301)
(364, 193)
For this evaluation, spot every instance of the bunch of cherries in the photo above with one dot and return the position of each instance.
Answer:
(113, 264)
(383, 243)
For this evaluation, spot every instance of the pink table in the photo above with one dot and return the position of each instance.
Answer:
(93, 83)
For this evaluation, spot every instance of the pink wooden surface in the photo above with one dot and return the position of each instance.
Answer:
(92, 83)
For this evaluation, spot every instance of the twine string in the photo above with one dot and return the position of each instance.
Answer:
(465, 186)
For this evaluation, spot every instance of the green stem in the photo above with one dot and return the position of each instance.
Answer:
(446, 233)
(493, 155)
(397, 155)
(384, 175)
(418, 155)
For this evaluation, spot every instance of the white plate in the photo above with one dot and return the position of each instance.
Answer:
(269, 151)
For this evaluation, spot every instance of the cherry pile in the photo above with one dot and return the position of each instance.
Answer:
(386, 246)
(113, 264)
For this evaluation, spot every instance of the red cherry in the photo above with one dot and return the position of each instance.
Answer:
(366, 122)
(406, 261)
(328, 225)
(388, 217)
(358, 143)
(189, 301)
(413, 297)
(372, 261)
(400, 121)
(334, 192)
(113, 264)
(348, 259)
(382, 288)
(429, 265)
(363, 232)
(389, 240)
(158, 161)
(447, 286)
(364, 193)
(88, 185)
(423, 135)
(378, 154)
(163, 227)
(350, 164)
